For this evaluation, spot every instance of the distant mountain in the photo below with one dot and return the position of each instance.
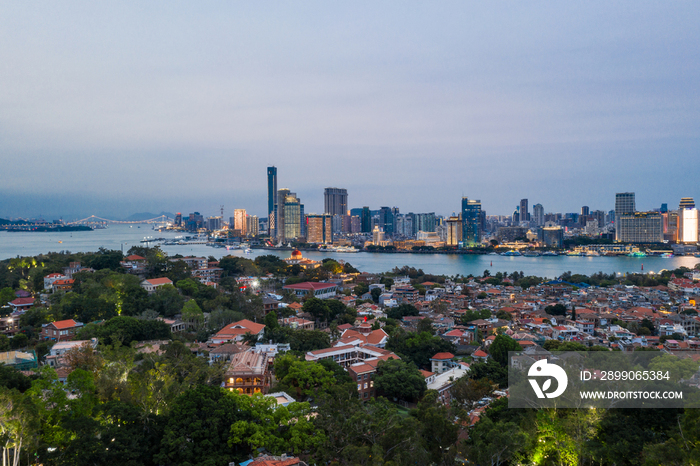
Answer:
(146, 216)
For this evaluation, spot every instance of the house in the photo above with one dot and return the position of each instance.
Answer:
(297, 259)
(296, 322)
(441, 362)
(154, 283)
(20, 360)
(270, 304)
(315, 289)
(237, 330)
(362, 373)
(226, 352)
(194, 263)
(249, 373)
(274, 461)
(21, 304)
(480, 356)
(134, 264)
(208, 274)
(62, 284)
(61, 330)
(9, 325)
(51, 278)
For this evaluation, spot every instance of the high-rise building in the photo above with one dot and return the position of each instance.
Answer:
(688, 221)
(524, 212)
(319, 229)
(552, 237)
(252, 225)
(355, 224)
(471, 221)
(454, 231)
(424, 222)
(214, 223)
(239, 221)
(335, 201)
(386, 220)
(366, 220)
(624, 204)
(289, 213)
(585, 211)
(178, 219)
(272, 200)
(538, 214)
(671, 224)
(599, 216)
(641, 227)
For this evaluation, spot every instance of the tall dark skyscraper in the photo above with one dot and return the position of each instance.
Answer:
(386, 220)
(272, 200)
(624, 204)
(471, 222)
(524, 213)
(585, 211)
(366, 220)
(335, 201)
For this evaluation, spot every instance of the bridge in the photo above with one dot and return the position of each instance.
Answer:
(93, 219)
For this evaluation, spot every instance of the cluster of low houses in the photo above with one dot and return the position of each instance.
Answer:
(672, 311)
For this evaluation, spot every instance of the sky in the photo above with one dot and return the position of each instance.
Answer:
(112, 108)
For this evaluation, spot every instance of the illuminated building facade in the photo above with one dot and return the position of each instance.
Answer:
(239, 221)
(538, 214)
(471, 222)
(688, 220)
(319, 229)
(335, 201)
(272, 200)
(454, 231)
(640, 227)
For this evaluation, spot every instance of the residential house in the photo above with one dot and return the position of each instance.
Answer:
(151, 285)
(315, 289)
(249, 373)
(61, 330)
(237, 330)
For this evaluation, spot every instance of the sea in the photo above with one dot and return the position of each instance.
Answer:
(124, 236)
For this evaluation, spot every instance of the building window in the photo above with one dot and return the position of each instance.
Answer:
(359, 387)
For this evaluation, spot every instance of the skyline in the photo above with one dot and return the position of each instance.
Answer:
(117, 109)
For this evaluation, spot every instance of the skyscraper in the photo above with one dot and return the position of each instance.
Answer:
(624, 204)
(366, 220)
(386, 220)
(272, 200)
(471, 216)
(335, 201)
(524, 215)
(319, 229)
(688, 221)
(585, 211)
(538, 214)
(289, 213)
(239, 221)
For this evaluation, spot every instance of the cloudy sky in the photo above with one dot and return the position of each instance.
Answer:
(112, 108)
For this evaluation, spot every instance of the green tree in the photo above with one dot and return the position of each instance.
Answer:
(398, 379)
(500, 347)
(6, 295)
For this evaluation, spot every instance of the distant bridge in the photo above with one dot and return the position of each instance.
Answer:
(92, 219)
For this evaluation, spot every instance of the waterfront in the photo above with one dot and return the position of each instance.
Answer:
(123, 237)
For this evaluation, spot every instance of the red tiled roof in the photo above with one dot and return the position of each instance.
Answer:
(442, 356)
(240, 328)
(376, 336)
(22, 301)
(135, 257)
(160, 281)
(479, 354)
(64, 324)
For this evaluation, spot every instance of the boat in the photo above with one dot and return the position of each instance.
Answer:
(549, 253)
(574, 253)
(344, 249)
(511, 253)
(637, 254)
(667, 255)
(531, 254)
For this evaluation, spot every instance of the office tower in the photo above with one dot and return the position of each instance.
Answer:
(319, 229)
(538, 214)
(454, 231)
(239, 221)
(424, 222)
(552, 237)
(272, 199)
(214, 223)
(289, 211)
(671, 221)
(524, 215)
(641, 227)
(366, 220)
(471, 216)
(252, 225)
(178, 219)
(624, 204)
(664, 208)
(355, 224)
(599, 216)
(386, 220)
(335, 201)
(585, 211)
(516, 215)
(195, 221)
(278, 214)
(688, 221)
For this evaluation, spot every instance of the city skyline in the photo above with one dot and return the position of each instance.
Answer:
(136, 108)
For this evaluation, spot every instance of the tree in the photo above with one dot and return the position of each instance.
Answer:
(192, 315)
(402, 310)
(556, 310)
(6, 295)
(467, 392)
(398, 379)
(306, 379)
(489, 370)
(376, 292)
(418, 347)
(425, 325)
(493, 443)
(317, 308)
(500, 347)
